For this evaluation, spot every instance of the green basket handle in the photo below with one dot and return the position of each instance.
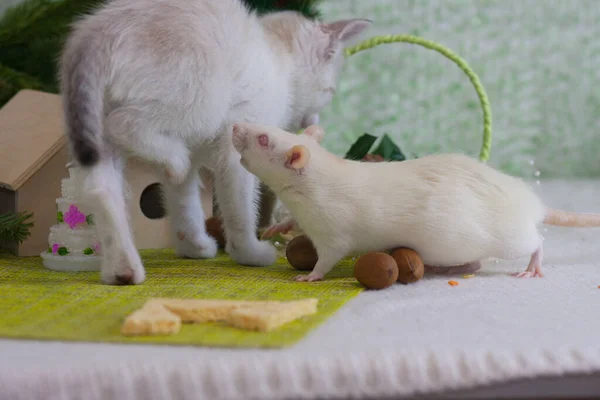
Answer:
(486, 146)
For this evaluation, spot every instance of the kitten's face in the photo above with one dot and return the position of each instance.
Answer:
(318, 50)
(324, 74)
(323, 54)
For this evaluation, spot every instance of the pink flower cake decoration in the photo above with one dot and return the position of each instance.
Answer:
(74, 217)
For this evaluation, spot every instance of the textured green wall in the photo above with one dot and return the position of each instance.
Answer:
(539, 61)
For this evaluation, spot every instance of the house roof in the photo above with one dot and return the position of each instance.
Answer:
(31, 132)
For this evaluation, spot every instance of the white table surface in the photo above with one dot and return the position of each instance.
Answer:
(422, 338)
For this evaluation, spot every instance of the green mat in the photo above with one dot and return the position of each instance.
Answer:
(36, 303)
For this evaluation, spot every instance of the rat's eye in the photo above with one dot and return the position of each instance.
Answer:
(263, 140)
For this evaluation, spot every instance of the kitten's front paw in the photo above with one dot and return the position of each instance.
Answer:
(255, 253)
(122, 269)
(205, 247)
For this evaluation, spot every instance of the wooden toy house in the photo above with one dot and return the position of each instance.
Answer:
(33, 159)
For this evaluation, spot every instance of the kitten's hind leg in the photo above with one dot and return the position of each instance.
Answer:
(133, 129)
(236, 191)
(184, 208)
(104, 192)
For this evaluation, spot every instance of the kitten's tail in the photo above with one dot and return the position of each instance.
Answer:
(83, 82)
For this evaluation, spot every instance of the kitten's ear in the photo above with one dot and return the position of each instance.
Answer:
(297, 157)
(347, 29)
(316, 132)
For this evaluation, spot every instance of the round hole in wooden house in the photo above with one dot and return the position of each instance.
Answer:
(151, 202)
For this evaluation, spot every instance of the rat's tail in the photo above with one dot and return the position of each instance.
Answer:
(571, 219)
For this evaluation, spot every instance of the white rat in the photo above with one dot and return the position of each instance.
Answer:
(450, 208)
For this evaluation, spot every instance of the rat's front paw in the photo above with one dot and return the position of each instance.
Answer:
(312, 277)
(254, 254)
(282, 227)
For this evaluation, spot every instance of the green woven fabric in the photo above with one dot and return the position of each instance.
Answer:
(37, 303)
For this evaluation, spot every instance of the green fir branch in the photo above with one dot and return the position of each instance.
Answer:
(15, 228)
(12, 77)
(32, 34)
(12, 81)
(307, 7)
(41, 19)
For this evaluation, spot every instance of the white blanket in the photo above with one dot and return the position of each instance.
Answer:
(420, 338)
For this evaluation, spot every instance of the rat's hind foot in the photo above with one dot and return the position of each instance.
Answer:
(312, 277)
(529, 274)
(534, 269)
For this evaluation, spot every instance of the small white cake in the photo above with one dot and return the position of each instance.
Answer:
(73, 243)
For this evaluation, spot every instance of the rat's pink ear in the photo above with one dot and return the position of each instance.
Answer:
(297, 157)
(316, 132)
(238, 129)
(347, 29)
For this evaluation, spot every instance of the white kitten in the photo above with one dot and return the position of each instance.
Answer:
(164, 80)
